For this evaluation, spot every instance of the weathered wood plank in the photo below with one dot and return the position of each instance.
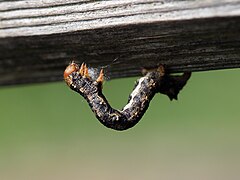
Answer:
(38, 38)
(75, 16)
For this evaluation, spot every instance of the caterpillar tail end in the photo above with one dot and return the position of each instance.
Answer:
(172, 85)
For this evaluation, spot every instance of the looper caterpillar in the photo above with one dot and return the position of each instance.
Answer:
(154, 81)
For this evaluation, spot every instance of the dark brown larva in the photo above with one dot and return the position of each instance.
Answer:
(146, 87)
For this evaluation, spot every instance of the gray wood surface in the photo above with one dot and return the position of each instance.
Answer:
(39, 38)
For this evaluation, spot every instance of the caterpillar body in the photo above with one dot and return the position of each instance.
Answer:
(154, 81)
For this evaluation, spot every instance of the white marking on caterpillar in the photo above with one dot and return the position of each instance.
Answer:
(134, 93)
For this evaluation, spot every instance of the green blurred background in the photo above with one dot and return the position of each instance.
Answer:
(48, 131)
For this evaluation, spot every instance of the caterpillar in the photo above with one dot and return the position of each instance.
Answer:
(154, 81)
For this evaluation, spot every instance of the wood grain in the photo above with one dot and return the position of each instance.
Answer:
(39, 38)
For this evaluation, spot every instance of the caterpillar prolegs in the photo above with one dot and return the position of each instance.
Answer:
(154, 81)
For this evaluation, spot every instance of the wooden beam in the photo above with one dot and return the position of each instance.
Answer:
(39, 38)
